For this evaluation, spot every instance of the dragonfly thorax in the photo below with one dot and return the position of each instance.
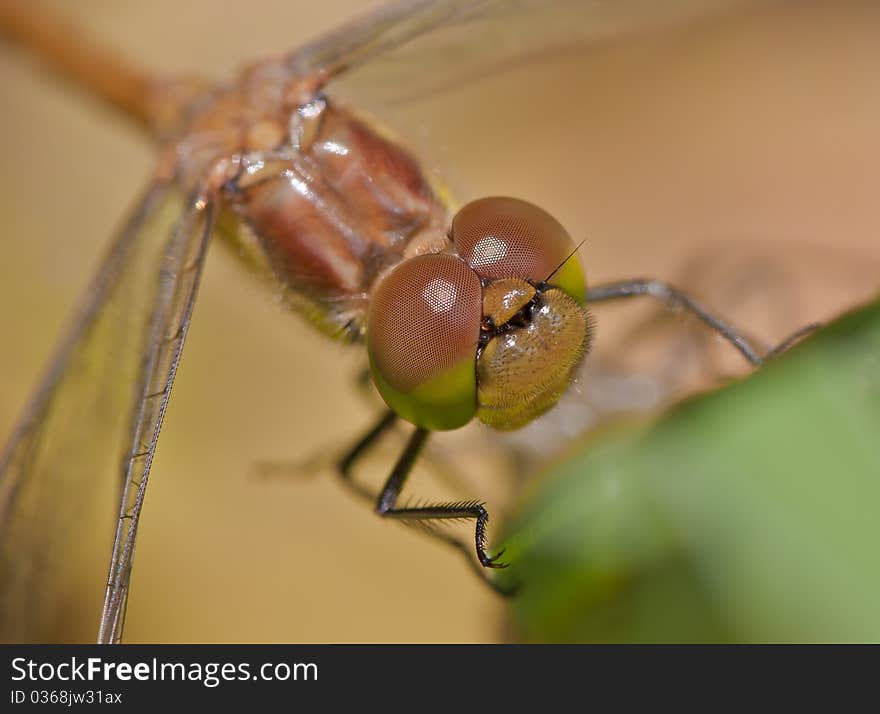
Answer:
(322, 200)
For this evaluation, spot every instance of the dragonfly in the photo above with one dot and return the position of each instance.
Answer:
(344, 222)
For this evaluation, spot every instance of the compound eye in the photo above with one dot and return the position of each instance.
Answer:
(503, 237)
(423, 328)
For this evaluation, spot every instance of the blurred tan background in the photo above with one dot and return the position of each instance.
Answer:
(738, 155)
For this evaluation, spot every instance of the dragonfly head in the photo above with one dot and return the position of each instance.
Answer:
(494, 329)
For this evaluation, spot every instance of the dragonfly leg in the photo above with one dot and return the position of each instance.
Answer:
(674, 297)
(793, 339)
(388, 497)
(345, 466)
(386, 505)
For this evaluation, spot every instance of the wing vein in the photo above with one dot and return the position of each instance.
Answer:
(175, 305)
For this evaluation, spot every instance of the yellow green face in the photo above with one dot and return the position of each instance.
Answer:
(494, 331)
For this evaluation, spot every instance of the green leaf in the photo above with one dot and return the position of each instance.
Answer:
(748, 514)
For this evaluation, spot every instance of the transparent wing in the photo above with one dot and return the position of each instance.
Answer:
(59, 472)
(355, 43)
(182, 262)
(411, 48)
(414, 49)
(104, 396)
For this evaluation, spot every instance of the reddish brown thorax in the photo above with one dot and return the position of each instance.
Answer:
(342, 209)
(331, 202)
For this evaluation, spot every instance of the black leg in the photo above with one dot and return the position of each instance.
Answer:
(672, 296)
(311, 466)
(385, 505)
(394, 484)
(793, 339)
(370, 439)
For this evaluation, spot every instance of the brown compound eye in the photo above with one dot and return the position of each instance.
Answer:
(503, 237)
(422, 333)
